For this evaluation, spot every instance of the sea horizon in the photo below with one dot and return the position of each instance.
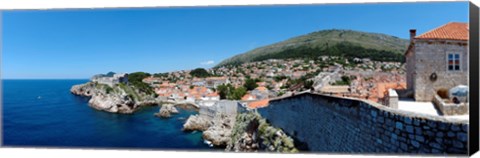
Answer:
(29, 104)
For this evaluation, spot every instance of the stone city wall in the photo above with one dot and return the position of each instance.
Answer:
(322, 123)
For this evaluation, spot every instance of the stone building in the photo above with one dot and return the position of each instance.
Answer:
(224, 107)
(111, 80)
(214, 82)
(437, 60)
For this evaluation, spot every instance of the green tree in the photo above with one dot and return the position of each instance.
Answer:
(200, 72)
(250, 84)
(136, 79)
(230, 92)
(224, 90)
(238, 93)
(346, 80)
(308, 84)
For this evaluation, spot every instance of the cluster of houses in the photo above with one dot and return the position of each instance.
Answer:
(366, 85)
(436, 71)
(198, 90)
(268, 70)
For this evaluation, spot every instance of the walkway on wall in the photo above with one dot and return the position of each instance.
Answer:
(424, 108)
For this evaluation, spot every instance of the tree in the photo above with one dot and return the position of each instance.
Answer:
(200, 72)
(230, 92)
(238, 93)
(250, 84)
(224, 90)
(137, 76)
(345, 80)
(110, 74)
(136, 79)
(308, 84)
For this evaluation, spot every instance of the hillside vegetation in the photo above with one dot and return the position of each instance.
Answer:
(347, 43)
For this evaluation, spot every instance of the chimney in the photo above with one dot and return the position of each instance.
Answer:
(413, 33)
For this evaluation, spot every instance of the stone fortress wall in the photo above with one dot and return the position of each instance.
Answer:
(330, 124)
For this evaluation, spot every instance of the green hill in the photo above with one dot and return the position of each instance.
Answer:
(345, 43)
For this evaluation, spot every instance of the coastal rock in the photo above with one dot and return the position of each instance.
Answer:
(247, 143)
(148, 101)
(115, 103)
(114, 99)
(196, 122)
(219, 133)
(252, 133)
(166, 111)
(86, 89)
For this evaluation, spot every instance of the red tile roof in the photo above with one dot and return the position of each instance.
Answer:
(247, 97)
(449, 31)
(383, 87)
(258, 104)
(262, 88)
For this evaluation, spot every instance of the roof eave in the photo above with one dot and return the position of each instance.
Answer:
(440, 39)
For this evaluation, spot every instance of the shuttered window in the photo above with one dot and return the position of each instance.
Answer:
(453, 62)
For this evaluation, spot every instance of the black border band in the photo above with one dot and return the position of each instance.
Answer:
(474, 79)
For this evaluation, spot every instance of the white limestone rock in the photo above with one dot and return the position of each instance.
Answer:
(196, 122)
(166, 111)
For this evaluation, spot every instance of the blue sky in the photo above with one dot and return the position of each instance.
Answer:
(64, 44)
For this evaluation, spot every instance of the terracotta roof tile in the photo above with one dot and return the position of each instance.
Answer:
(262, 88)
(258, 104)
(449, 31)
(383, 87)
(212, 94)
(247, 97)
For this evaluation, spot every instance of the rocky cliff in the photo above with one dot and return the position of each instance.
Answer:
(241, 133)
(166, 111)
(116, 99)
(196, 122)
(216, 130)
(252, 133)
(219, 133)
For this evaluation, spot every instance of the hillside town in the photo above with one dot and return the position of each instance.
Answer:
(362, 78)
(254, 83)
(414, 87)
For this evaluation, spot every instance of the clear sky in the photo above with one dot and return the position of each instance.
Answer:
(80, 43)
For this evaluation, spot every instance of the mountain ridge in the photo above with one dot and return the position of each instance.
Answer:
(323, 40)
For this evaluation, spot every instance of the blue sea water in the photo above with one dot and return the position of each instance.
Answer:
(43, 113)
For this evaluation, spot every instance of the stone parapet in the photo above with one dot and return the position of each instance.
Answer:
(323, 123)
(450, 108)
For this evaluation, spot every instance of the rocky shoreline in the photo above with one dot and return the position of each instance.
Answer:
(115, 99)
(217, 130)
(166, 111)
(236, 132)
(252, 133)
(245, 132)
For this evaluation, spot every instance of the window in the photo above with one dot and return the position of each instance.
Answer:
(454, 62)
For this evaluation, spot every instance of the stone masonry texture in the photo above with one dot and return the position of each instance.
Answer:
(329, 124)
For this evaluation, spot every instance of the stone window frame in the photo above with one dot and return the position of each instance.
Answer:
(459, 62)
